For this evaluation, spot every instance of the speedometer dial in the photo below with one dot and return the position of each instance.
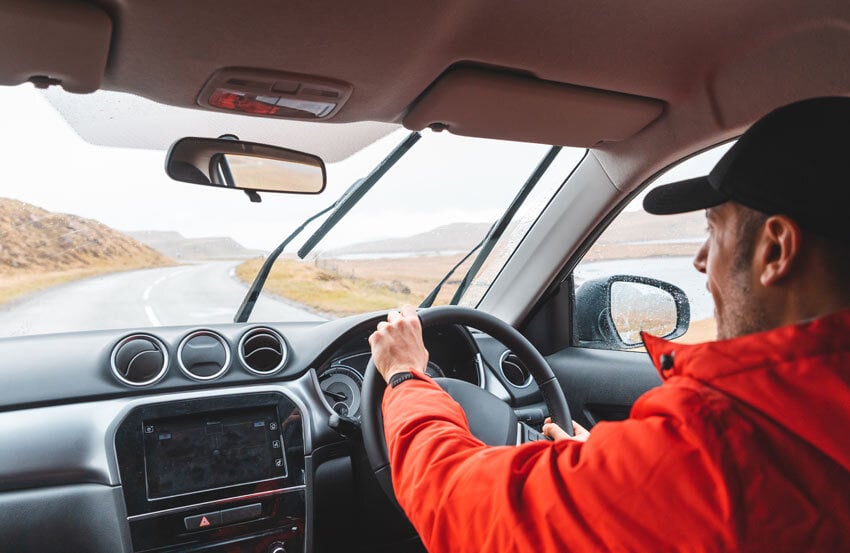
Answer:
(341, 385)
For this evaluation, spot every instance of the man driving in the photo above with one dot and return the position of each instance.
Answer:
(743, 446)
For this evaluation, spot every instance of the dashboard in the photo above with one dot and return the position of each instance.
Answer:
(215, 439)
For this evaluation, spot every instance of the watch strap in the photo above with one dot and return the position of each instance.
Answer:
(398, 378)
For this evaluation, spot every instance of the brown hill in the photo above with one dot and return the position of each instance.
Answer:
(176, 246)
(35, 240)
(455, 237)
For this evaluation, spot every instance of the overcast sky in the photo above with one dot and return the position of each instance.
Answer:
(443, 179)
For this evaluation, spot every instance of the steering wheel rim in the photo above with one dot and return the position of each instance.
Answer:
(373, 384)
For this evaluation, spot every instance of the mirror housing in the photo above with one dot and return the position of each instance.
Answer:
(247, 166)
(611, 312)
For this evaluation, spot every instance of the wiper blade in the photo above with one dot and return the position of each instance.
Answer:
(357, 191)
(429, 299)
(250, 299)
(341, 206)
(502, 224)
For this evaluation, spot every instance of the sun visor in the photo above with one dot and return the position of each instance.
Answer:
(489, 104)
(50, 42)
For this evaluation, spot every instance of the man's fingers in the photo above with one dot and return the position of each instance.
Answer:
(382, 325)
(393, 316)
(552, 430)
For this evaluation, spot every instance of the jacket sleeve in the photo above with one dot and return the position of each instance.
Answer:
(638, 485)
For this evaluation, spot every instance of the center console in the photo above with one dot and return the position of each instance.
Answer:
(214, 475)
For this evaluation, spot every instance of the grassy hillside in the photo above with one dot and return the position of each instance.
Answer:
(343, 287)
(39, 249)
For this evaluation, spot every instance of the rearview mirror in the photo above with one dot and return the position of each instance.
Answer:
(612, 312)
(244, 166)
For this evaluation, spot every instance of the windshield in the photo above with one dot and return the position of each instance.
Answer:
(99, 237)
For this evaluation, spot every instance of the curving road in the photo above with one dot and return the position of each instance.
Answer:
(186, 295)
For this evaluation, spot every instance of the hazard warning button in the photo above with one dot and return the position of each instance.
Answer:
(204, 521)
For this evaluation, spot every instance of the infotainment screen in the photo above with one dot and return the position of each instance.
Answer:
(206, 451)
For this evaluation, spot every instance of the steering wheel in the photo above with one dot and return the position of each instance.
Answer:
(490, 419)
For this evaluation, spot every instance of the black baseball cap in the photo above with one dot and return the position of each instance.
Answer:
(794, 161)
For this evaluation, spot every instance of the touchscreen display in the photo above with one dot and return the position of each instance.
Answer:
(212, 450)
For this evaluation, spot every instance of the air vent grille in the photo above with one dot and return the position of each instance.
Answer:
(203, 355)
(262, 351)
(139, 360)
(514, 370)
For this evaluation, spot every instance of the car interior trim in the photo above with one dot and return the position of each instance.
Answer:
(227, 500)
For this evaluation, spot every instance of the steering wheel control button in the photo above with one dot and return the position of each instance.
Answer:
(241, 514)
(530, 415)
(204, 521)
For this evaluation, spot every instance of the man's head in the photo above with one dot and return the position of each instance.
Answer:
(776, 206)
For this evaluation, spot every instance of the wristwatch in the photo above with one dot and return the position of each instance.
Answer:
(398, 378)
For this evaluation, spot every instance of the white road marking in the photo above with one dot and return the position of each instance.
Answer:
(152, 316)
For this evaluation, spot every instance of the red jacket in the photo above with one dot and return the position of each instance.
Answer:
(743, 448)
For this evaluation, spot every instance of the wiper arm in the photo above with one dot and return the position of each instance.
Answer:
(342, 205)
(429, 299)
(502, 224)
(357, 191)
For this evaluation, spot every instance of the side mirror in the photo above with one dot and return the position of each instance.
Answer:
(611, 312)
(244, 166)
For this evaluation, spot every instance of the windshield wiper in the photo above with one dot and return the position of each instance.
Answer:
(429, 299)
(501, 225)
(341, 206)
(357, 191)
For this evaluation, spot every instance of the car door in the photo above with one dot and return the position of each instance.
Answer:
(602, 378)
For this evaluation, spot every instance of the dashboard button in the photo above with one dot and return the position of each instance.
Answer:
(204, 521)
(240, 514)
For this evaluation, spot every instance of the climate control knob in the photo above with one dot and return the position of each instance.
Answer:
(277, 547)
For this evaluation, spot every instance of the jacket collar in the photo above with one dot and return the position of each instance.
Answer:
(720, 358)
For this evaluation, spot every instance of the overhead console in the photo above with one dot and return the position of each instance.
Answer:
(215, 474)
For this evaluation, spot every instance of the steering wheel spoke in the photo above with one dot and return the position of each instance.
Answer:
(527, 434)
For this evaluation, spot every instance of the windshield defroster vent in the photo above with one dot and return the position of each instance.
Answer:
(514, 370)
(139, 360)
(262, 351)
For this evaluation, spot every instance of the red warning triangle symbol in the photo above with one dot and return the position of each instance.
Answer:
(204, 522)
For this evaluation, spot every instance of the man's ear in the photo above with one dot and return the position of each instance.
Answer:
(778, 249)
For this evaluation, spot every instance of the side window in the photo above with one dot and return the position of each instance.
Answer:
(622, 285)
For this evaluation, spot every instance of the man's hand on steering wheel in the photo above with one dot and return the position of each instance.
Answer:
(397, 344)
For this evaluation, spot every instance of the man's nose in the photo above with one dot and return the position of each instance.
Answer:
(702, 255)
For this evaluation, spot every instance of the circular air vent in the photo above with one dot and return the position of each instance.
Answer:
(514, 370)
(262, 351)
(203, 355)
(139, 360)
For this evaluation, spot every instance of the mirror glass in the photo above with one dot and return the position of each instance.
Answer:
(244, 165)
(637, 307)
(261, 173)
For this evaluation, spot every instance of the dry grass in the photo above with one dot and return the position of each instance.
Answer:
(344, 287)
(19, 283)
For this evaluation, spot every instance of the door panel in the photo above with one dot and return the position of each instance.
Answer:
(602, 385)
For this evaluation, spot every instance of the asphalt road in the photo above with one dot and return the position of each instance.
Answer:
(187, 295)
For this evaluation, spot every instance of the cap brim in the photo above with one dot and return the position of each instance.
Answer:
(683, 196)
